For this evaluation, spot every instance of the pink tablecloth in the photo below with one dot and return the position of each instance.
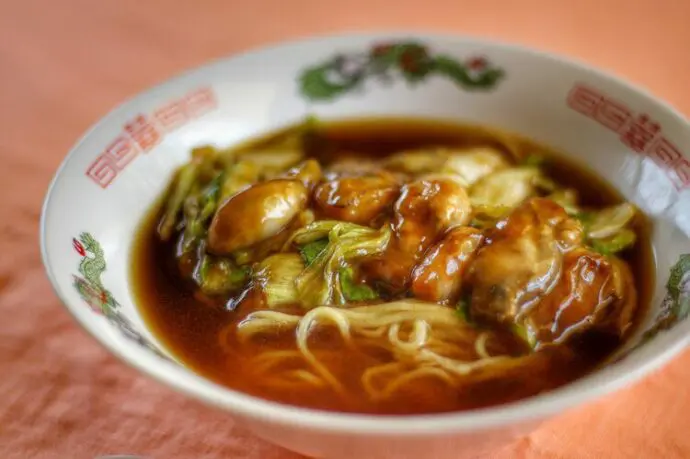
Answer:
(64, 64)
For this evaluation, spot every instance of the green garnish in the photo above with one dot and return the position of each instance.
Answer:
(184, 182)
(463, 309)
(533, 160)
(353, 291)
(312, 250)
(199, 210)
(219, 276)
(318, 283)
(618, 242)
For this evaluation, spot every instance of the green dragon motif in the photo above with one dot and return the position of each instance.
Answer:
(676, 305)
(92, 265)
(90, 288)
(410, 60)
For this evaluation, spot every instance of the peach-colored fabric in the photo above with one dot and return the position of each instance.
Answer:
(64, 64)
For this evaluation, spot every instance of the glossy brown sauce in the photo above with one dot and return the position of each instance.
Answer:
(190, 329)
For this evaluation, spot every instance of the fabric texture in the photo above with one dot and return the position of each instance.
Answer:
(64, 64)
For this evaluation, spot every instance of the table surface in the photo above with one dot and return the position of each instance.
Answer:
(64, 64)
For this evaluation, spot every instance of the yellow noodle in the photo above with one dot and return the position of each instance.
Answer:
(424, 339)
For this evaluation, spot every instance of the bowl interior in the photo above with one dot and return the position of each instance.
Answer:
(119, 169)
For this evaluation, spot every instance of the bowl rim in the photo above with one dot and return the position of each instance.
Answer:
(529, 409)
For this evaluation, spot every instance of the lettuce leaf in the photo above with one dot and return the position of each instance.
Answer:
(353, 291)
(312, 250)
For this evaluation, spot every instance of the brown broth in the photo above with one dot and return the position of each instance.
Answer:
(189, 329)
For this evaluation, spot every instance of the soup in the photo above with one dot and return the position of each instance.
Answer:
(391, 267)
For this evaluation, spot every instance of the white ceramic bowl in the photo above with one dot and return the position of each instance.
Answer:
(117, 170)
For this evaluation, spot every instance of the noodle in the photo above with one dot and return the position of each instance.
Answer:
(426, 340)
(480, 346)
(403, 378)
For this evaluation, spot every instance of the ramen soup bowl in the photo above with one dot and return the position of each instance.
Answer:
(119, 170)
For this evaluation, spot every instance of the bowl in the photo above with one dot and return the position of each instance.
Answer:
(116, 172)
